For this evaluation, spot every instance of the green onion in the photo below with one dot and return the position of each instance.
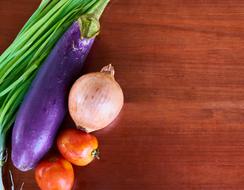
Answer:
(22, 59)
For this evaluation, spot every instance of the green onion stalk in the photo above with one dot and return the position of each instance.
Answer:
(20, 62)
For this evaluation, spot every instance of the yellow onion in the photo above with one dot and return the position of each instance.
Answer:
(95, 100)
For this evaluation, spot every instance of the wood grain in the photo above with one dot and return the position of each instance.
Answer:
(181, 65)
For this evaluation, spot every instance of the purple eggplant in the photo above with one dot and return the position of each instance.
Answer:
(45, 104)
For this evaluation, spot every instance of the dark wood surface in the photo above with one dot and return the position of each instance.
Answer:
(181, 66)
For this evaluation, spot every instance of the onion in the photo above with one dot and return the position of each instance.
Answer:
(95, 100)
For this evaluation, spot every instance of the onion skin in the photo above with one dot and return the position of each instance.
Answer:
(95, 100)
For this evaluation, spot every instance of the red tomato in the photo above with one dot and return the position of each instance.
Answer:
(54, 173)
(78, 147)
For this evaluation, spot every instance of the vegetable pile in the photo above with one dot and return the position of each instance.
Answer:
(19, 63)
(44, 106)
(36, 76)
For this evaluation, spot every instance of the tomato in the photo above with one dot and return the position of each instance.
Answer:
(55, 173)
(78, 147)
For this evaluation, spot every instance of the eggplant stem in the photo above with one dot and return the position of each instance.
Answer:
(98, 9)
(89, 23)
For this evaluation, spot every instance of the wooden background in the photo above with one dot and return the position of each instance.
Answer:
(181, 65)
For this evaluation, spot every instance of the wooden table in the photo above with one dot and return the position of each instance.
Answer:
(181, 65)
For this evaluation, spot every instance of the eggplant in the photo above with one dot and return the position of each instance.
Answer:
(45, 104)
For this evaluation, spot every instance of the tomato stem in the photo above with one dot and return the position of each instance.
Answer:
(95, 153)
